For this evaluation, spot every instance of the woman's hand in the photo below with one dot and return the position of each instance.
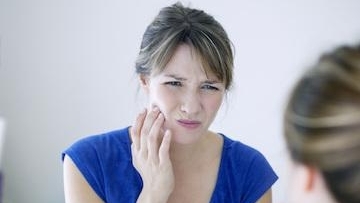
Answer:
(150, 155)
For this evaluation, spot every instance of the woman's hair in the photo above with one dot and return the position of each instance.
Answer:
(322, 121)
(177, 24)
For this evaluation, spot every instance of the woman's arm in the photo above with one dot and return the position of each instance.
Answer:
(266, 198)
(76, 188)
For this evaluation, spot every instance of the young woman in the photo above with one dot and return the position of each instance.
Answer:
(185, 68)
(322, 130)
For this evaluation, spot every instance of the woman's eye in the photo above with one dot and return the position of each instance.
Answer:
(209, 87)
(173, 83)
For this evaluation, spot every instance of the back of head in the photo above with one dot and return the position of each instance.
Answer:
(177, 24)
(322, 121)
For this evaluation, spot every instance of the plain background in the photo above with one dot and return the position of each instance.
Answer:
(67, 71)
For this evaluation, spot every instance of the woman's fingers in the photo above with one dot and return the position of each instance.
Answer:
(153, 138)
(148, 137)
(164, 148)
(136, 129)
(150, 151)
(145, 130)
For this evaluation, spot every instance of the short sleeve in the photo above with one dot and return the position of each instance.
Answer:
(244, 175)
(260, 178)
(84, 155)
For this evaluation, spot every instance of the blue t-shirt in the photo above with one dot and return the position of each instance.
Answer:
(105, 162)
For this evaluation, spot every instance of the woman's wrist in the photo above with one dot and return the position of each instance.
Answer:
(151, 196)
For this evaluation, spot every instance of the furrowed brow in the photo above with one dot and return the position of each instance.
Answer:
(175, 77)
(212, 82)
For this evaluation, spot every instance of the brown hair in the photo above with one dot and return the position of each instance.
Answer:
(178, 24)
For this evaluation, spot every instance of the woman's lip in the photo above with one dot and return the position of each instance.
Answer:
(189, 123)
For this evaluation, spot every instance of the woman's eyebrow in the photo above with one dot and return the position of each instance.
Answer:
(212, 81)
(175, 77)
(208, 81)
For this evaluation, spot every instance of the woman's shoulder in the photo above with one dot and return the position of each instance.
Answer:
(110, 137)
(238, 148)
(246, 170)
(238, 153)
(102, 157)
(118, 140)
(251, 171)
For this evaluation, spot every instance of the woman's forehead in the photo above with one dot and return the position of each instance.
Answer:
(186, 61)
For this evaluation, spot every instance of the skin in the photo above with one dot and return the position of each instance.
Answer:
(172, 149)
(307, 184)
(187, 97)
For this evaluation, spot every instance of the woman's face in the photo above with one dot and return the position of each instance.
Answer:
(188, 97)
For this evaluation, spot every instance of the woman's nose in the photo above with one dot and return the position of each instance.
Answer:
(191, 103)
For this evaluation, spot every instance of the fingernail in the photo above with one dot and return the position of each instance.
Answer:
(143, 111)
(155, 109)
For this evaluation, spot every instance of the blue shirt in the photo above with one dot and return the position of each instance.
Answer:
(105, 162)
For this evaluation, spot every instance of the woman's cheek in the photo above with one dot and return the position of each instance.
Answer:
(165, 98)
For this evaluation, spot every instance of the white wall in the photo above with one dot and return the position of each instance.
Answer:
(66, 71)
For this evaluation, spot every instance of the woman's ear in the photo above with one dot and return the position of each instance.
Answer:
(315, 187)
(307, 184)
(304, 177)
(144, 82)
(311, 177)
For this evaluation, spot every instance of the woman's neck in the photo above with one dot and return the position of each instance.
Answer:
(206, 147)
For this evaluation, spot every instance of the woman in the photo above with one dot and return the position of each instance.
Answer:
(169, 155)
(322, 130)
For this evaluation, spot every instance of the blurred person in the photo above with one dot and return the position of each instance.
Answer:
(322, 130)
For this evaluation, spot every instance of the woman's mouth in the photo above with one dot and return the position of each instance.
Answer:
(189, 124)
